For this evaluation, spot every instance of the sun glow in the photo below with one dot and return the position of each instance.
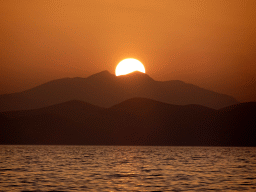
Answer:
(128, 66)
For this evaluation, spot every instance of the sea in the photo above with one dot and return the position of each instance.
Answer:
(126, 168)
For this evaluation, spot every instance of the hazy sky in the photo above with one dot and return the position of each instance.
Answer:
(211, 44)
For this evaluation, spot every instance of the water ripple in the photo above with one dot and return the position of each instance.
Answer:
(127, 168)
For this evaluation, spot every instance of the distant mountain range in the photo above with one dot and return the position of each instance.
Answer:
(136, 121)
(105, 90)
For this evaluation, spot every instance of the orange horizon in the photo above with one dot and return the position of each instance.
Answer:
(209, 44)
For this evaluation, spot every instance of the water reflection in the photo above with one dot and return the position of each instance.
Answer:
(126, 168)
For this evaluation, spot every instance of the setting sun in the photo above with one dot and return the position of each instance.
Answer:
(128, 66)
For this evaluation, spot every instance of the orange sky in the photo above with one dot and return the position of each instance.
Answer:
(207, 43)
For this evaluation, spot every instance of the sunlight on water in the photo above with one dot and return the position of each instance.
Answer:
(127, 168)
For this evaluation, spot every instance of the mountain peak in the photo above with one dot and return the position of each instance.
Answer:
(101, 75)
(105, 89)
(104, 72)
(136, 75)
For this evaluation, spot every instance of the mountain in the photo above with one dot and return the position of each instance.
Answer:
(105, 90)
(239, 123)
(136, 121)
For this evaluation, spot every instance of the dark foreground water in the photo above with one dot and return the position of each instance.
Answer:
(127, 168)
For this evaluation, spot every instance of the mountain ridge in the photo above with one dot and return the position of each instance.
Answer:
(151, 123)
(105, 89)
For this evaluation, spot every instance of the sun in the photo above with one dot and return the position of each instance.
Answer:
(128, 66)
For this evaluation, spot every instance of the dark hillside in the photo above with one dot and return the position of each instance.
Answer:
(137, 121)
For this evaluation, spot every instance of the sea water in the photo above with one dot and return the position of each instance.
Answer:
(127, 168)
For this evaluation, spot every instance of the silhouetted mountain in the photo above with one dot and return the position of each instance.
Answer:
(239, 124)
(105, 89)
(143, 106)
(137, 121)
